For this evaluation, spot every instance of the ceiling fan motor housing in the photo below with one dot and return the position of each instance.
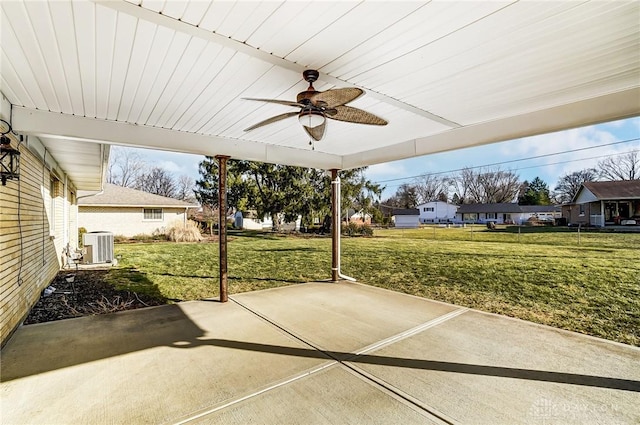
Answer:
(310, 75)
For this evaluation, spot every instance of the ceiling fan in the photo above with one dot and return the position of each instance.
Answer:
(316, 106)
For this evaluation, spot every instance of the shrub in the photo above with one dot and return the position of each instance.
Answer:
(142, 237)
(351, 229)
(180, 232)
(366, 230)
(356, 229)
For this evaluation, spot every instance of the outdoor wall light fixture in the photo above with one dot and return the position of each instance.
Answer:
(9, 157)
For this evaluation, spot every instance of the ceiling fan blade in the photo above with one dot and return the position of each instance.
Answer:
(280, 102)
(272, 120)
(316, 133)
(337, 97)
(350, 114)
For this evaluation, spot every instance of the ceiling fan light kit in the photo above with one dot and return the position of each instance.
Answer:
(316, 107)
(311, 118)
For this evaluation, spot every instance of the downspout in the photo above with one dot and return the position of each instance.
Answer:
(65, 212)
(44, 207)
(102, 170)
(336, 226)
(99, 192)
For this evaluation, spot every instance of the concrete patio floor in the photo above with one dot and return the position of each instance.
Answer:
(315, 353)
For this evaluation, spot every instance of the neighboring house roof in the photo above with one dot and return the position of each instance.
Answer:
(389, 210)
(405, 211)
(506, 208)
(489, 208)
(622, 189)
(114, 195)
(435, 202)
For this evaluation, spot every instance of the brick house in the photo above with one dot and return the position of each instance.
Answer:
(129, 212)
(604, 204)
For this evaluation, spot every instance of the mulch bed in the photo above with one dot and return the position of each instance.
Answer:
(88, 295)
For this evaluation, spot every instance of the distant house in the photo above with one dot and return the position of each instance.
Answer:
(505, 213)
(604, 204)
(437, 211)
(249, 220)
(266, 223)
(129, 212)
(541, 212)
(359, 217)
(406, 218)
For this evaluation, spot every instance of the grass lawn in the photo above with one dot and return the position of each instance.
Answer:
(590, 285)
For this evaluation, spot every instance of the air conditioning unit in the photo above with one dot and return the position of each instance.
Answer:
(99, 247)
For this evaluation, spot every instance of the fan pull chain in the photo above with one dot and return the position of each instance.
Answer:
(312, 143)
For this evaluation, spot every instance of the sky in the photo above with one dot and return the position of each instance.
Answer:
(587, 146)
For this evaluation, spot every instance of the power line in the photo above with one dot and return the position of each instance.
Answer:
(522, 168)
(512, 161)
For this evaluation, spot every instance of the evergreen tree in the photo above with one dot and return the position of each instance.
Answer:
(534, 193)
(283, 192)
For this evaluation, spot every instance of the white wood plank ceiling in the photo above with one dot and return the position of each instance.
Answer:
(445, 74)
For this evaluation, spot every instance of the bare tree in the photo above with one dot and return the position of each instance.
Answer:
(485, 186)
(125, 167)
(430, 188)
(406, 197)
(460, 186)
(157, 181)
(621, 167)
(499, 186)
(185, 188)
(569, 184)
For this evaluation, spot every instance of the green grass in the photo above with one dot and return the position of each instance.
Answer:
(540, 275)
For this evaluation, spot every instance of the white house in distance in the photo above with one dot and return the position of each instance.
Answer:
(248, 221)
(505, 213)
(128, 212)
(406, 218)
(437, 212)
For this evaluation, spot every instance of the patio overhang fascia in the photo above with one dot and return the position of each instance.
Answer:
(619, 105)
(605, 108)
(71, 127)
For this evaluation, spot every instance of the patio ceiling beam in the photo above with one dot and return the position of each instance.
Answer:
(609, 107)
(194, 31)
(72, 127)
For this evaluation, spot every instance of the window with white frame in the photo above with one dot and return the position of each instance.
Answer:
(153, 214)
(428, 209)
(491, 216)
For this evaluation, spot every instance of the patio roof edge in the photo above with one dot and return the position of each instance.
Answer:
(622, 104)
(71, 127)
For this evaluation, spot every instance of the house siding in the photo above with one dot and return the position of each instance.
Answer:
(127, 221)
(407, 221)
(572, 213)
(30, 242)
(442, 211)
